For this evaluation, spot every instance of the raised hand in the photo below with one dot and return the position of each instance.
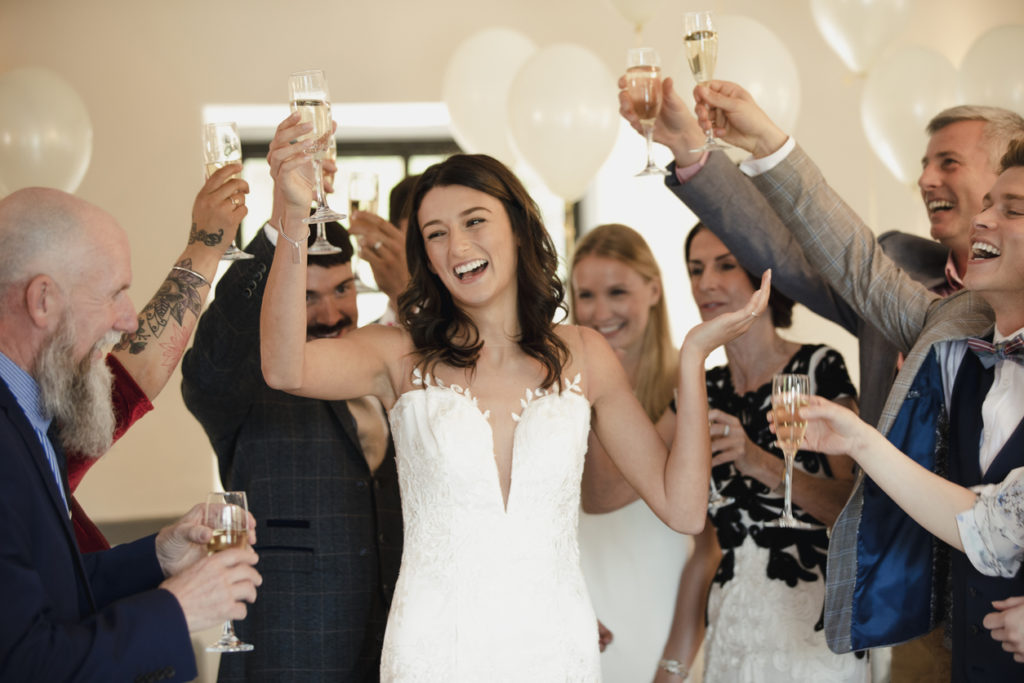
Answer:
(383, 247)
(737, 118)
(292, 170)
(675, 127)
(219, 208)
(709, 335)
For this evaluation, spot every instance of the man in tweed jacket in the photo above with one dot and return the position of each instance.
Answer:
(881, 587)
(322, 486)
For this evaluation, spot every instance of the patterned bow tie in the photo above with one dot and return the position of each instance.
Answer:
(989, 354)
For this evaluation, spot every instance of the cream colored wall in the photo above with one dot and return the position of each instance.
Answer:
(144, 70)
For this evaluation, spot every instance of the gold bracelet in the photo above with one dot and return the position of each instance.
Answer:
(674, 667)
(297, 254)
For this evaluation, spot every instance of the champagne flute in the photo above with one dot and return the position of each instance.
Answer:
(643, 84)
(307, 92)
(701, 53)
(789, 392)
(227, 514)
(363, 195)
(715, 498)
(222, 146)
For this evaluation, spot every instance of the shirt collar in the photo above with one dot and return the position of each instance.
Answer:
(952, 277)
(26, 393)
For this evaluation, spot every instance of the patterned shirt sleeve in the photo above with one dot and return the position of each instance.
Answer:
(992, 532)
(830, 375)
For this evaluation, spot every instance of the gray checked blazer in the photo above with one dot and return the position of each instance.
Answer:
(329, 532)
(731, 207)
(844, 251)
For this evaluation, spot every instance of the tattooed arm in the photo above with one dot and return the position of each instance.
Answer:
(151, 353)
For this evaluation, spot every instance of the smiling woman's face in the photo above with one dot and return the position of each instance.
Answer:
(613, 299)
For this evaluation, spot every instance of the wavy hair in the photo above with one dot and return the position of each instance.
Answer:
(440, 330)
(656, 376)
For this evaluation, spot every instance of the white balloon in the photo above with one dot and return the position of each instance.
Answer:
(991, 72)
(475, 88)
(899, 100)
(750, 54)
(563, 115)
(858, 30)
(45, 132)
(638, 11)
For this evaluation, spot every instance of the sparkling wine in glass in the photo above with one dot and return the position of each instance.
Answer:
(222, 146)
(789, 394)
(227, 514)
(643, 85)
(307, 93)
(701, 43)
(363, 195)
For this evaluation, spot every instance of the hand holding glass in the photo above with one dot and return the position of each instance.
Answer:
(701, 53)
(222, 146)
(643, 85)
(227, 514)
(789, 394)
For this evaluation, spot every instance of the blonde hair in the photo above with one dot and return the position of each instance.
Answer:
(656, 376)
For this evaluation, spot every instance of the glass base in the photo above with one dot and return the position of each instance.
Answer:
(720, 502)
(323, 215)
(231, 644)
(784, 522)
(233, 253)
(652, 169)
(712, 144)
(322, 246)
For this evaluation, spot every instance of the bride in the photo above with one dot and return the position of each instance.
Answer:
(490, 404)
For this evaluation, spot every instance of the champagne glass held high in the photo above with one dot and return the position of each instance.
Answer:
(363, 195)
(227, 514)
(789, 393)
(307, 92)
(701, 53)
(643, 84)
(222, 146)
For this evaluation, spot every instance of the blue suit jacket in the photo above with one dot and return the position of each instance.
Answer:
(65, 616)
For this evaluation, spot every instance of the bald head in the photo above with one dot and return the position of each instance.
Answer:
(47, 231)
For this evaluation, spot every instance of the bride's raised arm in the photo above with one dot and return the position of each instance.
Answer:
(347, 367)
(673, 483)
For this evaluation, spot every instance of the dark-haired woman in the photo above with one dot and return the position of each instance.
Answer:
(760, 588)
(490, 405)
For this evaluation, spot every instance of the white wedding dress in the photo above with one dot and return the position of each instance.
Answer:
(487, 593)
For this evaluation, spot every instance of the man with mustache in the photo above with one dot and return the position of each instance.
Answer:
(121, 614)
(320, 475)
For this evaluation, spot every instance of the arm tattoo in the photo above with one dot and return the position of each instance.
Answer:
(210, 239)
(178, 295)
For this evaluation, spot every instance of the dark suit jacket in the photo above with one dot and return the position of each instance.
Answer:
(329, 532)
(65, 616)
(725, 201)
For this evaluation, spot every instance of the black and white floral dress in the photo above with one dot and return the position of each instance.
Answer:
(765, 603)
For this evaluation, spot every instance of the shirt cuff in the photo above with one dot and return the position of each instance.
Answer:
(687, 172)
(755, 167)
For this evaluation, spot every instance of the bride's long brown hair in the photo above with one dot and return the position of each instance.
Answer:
(427, 309)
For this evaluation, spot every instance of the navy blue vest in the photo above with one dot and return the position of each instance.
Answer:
(976, 656)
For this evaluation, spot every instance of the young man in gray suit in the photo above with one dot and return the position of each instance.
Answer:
(959, 165)
(949, 409)
(320, 478)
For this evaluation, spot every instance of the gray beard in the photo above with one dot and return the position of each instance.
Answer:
(77, 396)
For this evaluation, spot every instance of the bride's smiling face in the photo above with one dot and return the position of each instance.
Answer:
(469, 243)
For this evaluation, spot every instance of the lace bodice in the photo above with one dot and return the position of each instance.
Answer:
(488, 591)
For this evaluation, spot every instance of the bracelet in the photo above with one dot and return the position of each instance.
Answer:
(296, 255)
(193, 273)
(674, 667)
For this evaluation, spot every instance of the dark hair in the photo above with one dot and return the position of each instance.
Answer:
(398, 201)
(427, 309)
(1014, 156)
(336, 235)
(780, 305)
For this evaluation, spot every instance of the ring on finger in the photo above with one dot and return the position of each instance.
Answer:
(376, 246)
(235, 200)
(725, 432)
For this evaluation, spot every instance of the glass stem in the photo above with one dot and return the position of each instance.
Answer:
(228, 632)
(649, 137)
(318, 184)
(788, 499)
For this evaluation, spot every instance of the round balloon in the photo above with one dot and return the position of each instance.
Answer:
(45, 132)
(772, 78)
(475, 88)
(898, 101)
(638, 12)
(991, 72)
(858, 30)
(563, 114)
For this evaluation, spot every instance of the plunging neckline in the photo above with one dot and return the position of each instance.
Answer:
(532, 396)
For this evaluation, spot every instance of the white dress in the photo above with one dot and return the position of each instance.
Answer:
(487, 593)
